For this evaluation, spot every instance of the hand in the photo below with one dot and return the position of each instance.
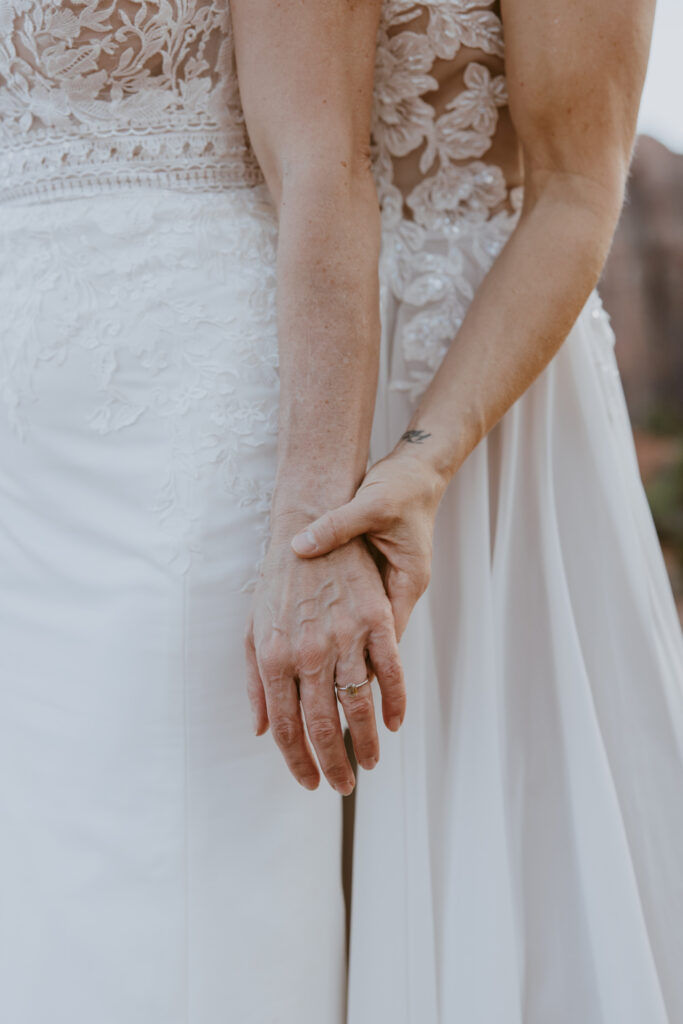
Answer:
(313, 624)
(395, 508)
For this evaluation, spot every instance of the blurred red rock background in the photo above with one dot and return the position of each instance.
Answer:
(642, 289)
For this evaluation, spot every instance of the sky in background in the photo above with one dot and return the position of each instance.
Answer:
(661, 108)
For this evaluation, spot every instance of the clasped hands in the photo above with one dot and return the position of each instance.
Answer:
(333, 599)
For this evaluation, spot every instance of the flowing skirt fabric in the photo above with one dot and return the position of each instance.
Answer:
(518, 851)
(158, 864)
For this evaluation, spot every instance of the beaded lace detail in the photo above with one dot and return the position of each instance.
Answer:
(98, 93)
(440, 106)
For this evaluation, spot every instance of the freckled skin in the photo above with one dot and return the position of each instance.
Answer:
(325, 621)
(305, 72)
(574, 76)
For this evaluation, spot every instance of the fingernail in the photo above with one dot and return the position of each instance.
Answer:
(304, 543)
(310, 781)
(344, 788)
(370, 763)
(394, 723)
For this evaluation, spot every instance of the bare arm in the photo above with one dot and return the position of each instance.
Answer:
(305, 73)
(575, 73)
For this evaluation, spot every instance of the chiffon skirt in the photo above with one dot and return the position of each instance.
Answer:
(518, 851)
(158, 863)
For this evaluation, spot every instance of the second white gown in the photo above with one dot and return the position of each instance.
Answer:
(518, 853)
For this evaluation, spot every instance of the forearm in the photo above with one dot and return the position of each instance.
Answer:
(328, 336)
(517, 321)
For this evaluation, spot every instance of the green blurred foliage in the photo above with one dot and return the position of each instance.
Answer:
(665, 494)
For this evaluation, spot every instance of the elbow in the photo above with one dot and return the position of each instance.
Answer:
(578, 211)
(588, 199)
(590, 180)
(598, 191)
(320, 176)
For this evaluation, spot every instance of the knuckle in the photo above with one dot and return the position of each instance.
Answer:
(364, 751)
(324, 731)
(392, 673)
(385, 629)
(396, 705)
(286, 731)
(377, 616)
(254, 689)
(274, 657)
(336, 772)
(350, 636)
(359, 705)
(310, 656)
(379, 647)
(382, 617)
(300, 767)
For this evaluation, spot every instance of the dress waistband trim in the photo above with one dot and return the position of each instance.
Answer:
(46, 167)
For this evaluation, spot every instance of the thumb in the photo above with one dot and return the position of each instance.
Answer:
(332, 529)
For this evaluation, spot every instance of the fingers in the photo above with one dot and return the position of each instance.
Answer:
(255, 691)
(359, 708)
(332, 529)
(319, 702)
(383, 651)
(403, 590)
(284, 714)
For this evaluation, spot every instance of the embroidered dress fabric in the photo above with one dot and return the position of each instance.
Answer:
(158, 863)
(102, 94)
(518, 849)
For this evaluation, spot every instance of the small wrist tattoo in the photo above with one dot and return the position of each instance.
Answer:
(415, 436)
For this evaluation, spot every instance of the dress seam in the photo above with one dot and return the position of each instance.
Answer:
(186, 798)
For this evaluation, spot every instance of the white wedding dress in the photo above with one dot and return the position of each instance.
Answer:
(518, 850)
(158, 863)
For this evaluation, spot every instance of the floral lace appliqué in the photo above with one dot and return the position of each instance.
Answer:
(171, 297)
(441, 236)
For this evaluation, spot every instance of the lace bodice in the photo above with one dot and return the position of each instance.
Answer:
(448, 169)
(440, 105)
(97, 93)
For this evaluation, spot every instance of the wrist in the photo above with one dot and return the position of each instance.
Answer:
(435, 463)
(299, 498)
(426, 481)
